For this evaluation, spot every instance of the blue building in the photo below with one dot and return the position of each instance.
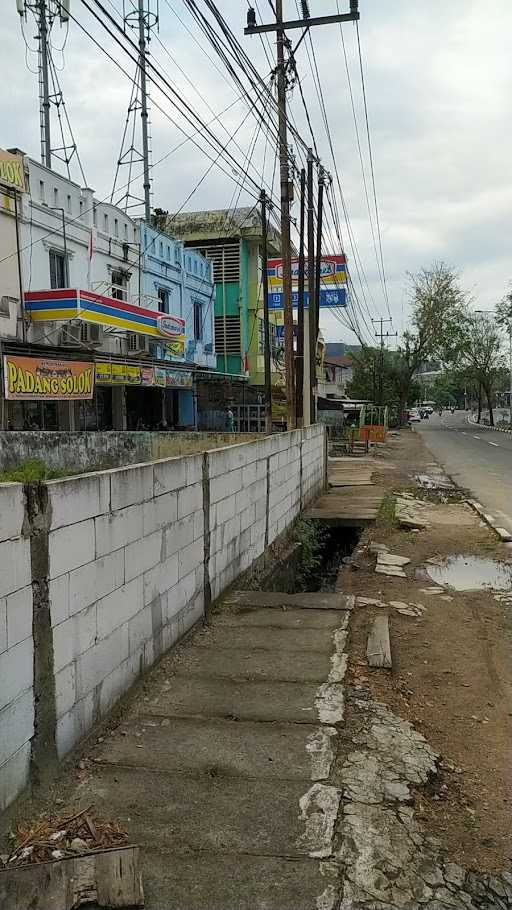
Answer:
(179, 282)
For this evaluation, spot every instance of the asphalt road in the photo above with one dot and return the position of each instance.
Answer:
(477, 459)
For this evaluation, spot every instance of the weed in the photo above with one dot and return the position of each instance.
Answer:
(31, 470)
(386, 515)
(310, 535)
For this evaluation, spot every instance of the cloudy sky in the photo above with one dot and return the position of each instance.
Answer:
(438, 81)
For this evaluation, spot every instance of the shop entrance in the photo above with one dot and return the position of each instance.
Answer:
(143, 408)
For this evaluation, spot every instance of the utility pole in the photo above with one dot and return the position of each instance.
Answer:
(266, 324)
(382, 335)
(316, 306)
(46, 145)
(280, 26)
(311, 288)
(286, 251)
(144, 111)
(299, 368)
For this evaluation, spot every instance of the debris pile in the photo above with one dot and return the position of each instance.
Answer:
(55, 837)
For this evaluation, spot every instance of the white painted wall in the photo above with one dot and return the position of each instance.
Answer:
(9, 277)
(16, 646)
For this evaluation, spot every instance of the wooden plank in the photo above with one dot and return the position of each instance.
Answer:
(378, 649)
(108, 878)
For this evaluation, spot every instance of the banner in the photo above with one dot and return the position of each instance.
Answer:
(43, 379)
(328, 298)
(130, 374)
(11, 171)
(333, 271)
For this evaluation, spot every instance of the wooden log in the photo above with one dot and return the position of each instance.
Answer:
(107, 878)
(378, 649)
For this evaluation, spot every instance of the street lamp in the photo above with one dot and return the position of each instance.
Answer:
(492, 313)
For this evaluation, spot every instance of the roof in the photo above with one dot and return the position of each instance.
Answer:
(217, 223)
(341, 361)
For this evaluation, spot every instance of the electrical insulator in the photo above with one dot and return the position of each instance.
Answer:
(251, 17)
(64, 10)
(20, 6)
(354, 6)
(305, 9)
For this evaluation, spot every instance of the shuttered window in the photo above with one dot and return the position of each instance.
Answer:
(230, 342)
(225, 257)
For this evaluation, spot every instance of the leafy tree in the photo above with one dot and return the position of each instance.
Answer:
(481, 353)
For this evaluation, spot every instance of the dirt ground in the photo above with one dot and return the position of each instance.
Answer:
(452, 668)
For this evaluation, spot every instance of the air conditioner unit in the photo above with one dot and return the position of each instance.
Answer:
(137, 344)
(70, 335)
(91, 333)
(208, 348)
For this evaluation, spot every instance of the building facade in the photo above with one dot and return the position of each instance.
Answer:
(82, 283)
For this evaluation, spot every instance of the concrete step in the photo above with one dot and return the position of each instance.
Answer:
(249, 663)
(277, 600)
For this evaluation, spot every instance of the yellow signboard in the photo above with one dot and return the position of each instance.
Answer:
(44, 379)
(11, 171)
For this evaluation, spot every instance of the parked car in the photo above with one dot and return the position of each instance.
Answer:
(414, 416)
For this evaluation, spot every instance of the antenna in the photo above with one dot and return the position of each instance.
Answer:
(143, 16)
(46, 14)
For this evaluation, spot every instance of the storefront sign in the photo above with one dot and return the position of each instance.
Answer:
(11, 171)
(170, 326)
(42, 379)
(130, 374)
(176, 348)
(178, 379)
(333, 278)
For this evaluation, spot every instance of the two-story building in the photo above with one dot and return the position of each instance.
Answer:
(103, 326)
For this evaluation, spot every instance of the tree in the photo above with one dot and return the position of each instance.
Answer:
(481, 353)
(437, 312)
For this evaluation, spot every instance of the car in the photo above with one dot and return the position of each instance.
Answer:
(414, 416)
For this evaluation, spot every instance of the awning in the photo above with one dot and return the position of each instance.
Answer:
(64, 304)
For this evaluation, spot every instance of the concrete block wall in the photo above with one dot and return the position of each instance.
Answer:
(108, 569)
(16, 646)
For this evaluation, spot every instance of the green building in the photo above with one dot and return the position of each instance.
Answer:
(232, 240)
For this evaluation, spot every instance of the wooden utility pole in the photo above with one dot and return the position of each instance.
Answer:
(311, 287)
(266, 323)
(280, 27)
(299, 367)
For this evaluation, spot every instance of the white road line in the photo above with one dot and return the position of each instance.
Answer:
(477, 437)
(493, 444)
(464, 434)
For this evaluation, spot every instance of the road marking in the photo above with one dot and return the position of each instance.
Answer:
(477, 437)
(464, 434)
(493, 444)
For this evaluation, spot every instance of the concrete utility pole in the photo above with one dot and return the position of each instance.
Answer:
(299, 366)
(315, 303)
(280, 27)
(46, 145)
(311, 291)
(382, 335)
(144, 111)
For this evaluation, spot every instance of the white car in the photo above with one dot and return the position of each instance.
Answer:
(414, 416)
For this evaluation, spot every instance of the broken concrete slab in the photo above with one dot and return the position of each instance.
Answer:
(246, 663)
(390, 559)
(214, 747)
(395, 571)
(378, 649)
(369, 602)
(288, 618)
(277, 600)
(260, 637)
(378, 548)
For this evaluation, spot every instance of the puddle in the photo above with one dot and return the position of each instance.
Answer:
(471, 573)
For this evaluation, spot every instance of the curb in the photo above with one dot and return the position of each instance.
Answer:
(484, 426)
(503, 534)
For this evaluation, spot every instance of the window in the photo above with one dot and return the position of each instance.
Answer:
(55, 196)
(168, 254)
(177, 255)
(188, 263)
(95, 216)
(58, 270)
(105, 223)
(41, 190)
(195, 266)
(161, 250)
(198, 321)
(81, 207)
(116, 227)
(163, 300)
(118, 285)
(125, 231)
(69, 204)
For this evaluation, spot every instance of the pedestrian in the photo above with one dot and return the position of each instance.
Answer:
(230, 421)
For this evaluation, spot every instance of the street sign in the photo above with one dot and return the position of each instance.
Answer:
(332, 297)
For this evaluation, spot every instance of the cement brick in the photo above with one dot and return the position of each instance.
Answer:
(118, 607)
(118, 529)
(249, 474)
(142, 555)
(71, 546)
(14, 776)
(178, 535)
(75, 724)
(198, 518)
(117, 683)
(194, 469)
(160, 578)
(190, 500)
(190, 558)
(16, 725)
(58, 592)
(12, 509)
(140, 628)
(65, 690)
(225, 509)
(98, 662)
(19, 616)
(3, 625)
(14, 565)
(131, 485)
(16, 671)
(74, 636)
(159, 512)
(78, 498)
(225, 485)
(95, 580)
(169, 475)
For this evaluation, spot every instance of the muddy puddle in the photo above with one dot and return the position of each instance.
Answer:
(471, 573)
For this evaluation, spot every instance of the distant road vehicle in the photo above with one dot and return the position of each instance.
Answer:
(414, 416)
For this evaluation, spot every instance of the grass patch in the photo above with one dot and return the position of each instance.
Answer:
(30, 471)
(386, 517)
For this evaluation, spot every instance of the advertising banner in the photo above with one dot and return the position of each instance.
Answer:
(333, 278)
(130, 374)
(44, 379)
(11, 171)
(328, 298)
